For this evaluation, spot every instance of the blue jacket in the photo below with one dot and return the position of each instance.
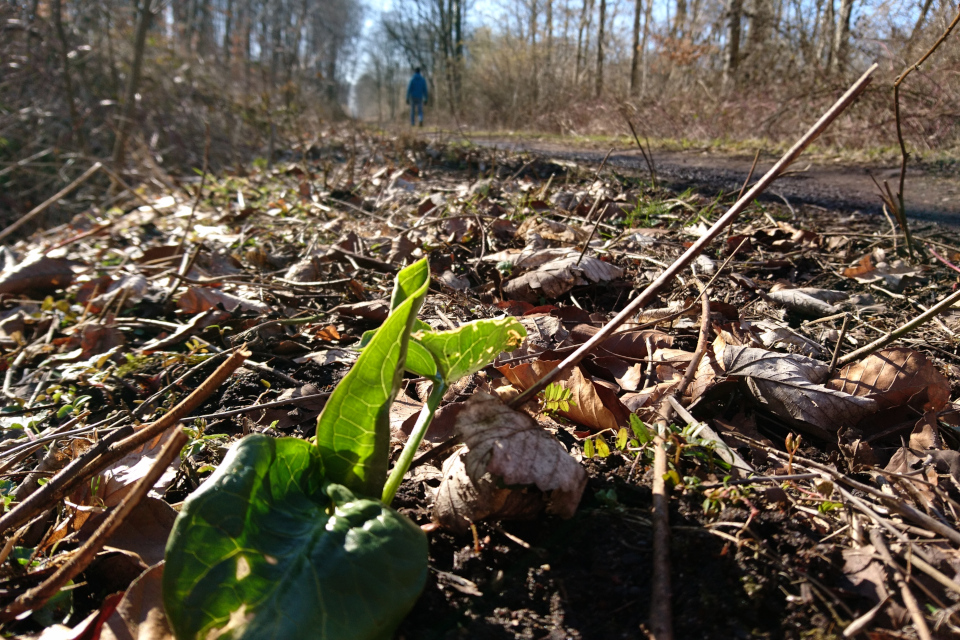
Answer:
(417, 89)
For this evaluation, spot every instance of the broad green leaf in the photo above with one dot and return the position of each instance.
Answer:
(471, 347)
(419, 361)
(267, 548)
(353, 432)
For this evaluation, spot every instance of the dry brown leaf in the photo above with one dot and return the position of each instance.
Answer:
(461, 501)
(375, 310)
(597, 407)
(895, 377)
(197, 299)
(804, 302)
(505, 448)
(707, 372)
(630, 344)
(926, 433)
(628, 375)
(95, 338)
(116, 481)
(140, 614)
(144, 531)
(895, 277)
(294, 414)
(553, 279)
(441, 427)
(36, 274)
(788, 385)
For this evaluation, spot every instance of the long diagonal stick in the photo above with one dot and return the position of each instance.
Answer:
(680, 263)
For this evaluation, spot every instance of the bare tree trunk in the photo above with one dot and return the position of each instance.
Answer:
(679, 19)
(841, 40)
(825, 43)
(57, 10)
(731, 58)
(603, 19)
(760, 23)
(920, 20)
(635, 58)
(550, 37)
(458, 51)
(581, 48)
(111, 58)
(227, 35)
(144, 16)
(645, 62)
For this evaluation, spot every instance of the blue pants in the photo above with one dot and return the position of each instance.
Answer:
(415, 106)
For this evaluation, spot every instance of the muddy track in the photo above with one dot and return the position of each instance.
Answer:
(929, 196)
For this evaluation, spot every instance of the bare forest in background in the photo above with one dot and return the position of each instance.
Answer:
(145, 84)
(682, 69)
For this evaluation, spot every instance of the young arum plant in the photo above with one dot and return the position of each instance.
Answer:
(293, 540)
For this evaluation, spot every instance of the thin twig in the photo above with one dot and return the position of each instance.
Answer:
(919, 622)
(661, 614)
(40, 208)
(904, 156)
(900, 331)
(836, 350)
(113, 448)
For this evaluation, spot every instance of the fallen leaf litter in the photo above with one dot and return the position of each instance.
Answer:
(104, 332)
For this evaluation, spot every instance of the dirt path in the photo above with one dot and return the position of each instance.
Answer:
(833, 186)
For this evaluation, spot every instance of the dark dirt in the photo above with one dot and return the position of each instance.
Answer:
(931, 193)
(589, 577)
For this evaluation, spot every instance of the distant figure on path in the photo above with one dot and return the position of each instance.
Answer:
(416, 96)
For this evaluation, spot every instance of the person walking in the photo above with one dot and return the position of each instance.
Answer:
(416, 96)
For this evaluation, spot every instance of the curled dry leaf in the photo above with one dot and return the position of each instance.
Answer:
(130, 289)
(778, 336)
(597, 406)
(553, 279)
(895, 377)
(806, 301)
(707, 371)
(505, 448)
(374, 310)
(788, 385)
(197, 299)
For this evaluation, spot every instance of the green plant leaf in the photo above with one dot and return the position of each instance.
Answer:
(639, 429)
(419, 361)
(408, 283)
(353, 432)
(469, 348)
(267, 548)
